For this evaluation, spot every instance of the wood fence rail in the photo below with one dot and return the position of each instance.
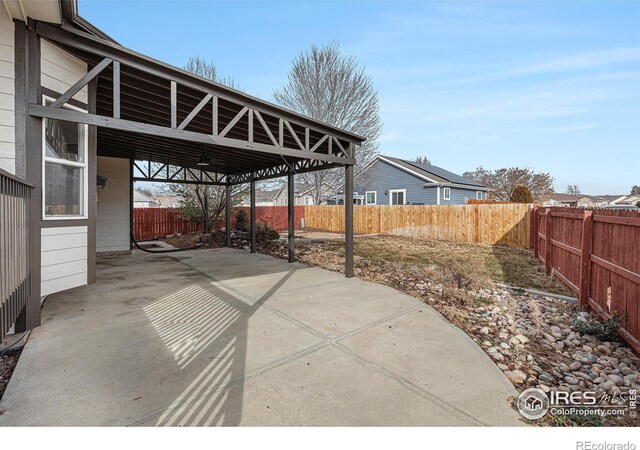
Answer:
(596, 253)
(152, 223)
(485, 223)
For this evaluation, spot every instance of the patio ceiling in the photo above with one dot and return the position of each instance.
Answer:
(148, 110)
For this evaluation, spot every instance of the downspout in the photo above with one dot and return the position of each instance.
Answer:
(438, 197)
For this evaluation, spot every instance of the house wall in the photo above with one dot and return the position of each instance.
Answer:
(113, 221)
(7, 93)
(64, 258)
(64, 249)
(459, 196)
(381, 177)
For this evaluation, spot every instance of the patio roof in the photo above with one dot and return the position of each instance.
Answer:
(148, 110)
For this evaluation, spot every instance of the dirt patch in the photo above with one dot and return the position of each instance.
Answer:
(7, 364)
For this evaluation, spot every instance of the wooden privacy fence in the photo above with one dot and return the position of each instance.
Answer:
(596, 253)
(485, 223)
(151, 223)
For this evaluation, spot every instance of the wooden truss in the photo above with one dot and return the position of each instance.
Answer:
(282, 133)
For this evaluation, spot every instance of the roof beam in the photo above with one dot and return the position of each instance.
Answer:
(173, 133)
(82, 41)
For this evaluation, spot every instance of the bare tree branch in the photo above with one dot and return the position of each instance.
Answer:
(332, 88)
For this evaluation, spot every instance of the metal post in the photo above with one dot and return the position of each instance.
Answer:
(291, 209)
(131, 203)
(227, 213)
(348, 221)
(253, 215)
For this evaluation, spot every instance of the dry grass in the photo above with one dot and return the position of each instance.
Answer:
(497, 263)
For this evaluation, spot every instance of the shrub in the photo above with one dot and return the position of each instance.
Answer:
(264, 233)
(605, 330)
(521, 194)
(242, 220)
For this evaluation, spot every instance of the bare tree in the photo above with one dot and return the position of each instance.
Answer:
(333, 88)
(573, 189)
(207, 69)
(504, 181)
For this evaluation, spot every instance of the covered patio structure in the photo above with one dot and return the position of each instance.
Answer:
(171, 126)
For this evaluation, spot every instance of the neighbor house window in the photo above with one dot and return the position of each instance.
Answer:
(308, 200)
(64, 168)
(370, 197)
(478, 195)
(397, 197)
(446, 193)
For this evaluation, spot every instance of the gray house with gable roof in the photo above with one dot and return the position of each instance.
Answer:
(394, 181)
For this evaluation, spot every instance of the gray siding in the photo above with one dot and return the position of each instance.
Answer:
(381, 177)
(459, 196)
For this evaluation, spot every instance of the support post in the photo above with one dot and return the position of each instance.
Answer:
(227, 238)
(548, 255)
(131, 194)
(28, 151)
(348, 222)
(534, 231)
(291, 208)
(585, 258)
(253, 215)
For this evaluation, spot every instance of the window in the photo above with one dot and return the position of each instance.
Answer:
(397, 197)
(370, 197)
(308, 200)
(478, 195)
(64, 173)
(446, 193)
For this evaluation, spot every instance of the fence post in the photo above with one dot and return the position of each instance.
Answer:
(534, 230)
(585, 258)
(548, 256)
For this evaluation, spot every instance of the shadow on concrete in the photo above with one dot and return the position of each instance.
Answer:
(198, 319)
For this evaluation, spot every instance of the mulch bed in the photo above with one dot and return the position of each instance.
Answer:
(7, 364)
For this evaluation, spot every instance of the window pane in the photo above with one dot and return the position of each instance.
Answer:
(63, 190)
(64, 140)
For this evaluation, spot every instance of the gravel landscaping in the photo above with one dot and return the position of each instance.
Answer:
(7, 364)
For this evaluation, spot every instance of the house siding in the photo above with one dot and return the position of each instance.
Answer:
(7, 93)
(459, 196)
(112, 224)
(64, 258)
(64, 250)
(381, 177)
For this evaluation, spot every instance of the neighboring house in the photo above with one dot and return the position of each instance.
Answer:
(305, 194)
(581, 201)
(167, 201)
(141, 200)
(266, 197)
(394, 181)
(627, 200)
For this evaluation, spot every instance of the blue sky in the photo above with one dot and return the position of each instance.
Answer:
(554, 86)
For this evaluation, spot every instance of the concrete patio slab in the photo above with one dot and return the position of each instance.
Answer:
(223, 337)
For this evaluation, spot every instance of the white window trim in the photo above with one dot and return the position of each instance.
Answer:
(478, 195)
(404, 196)
(446, 190)
(84, 165)
(375, 197)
